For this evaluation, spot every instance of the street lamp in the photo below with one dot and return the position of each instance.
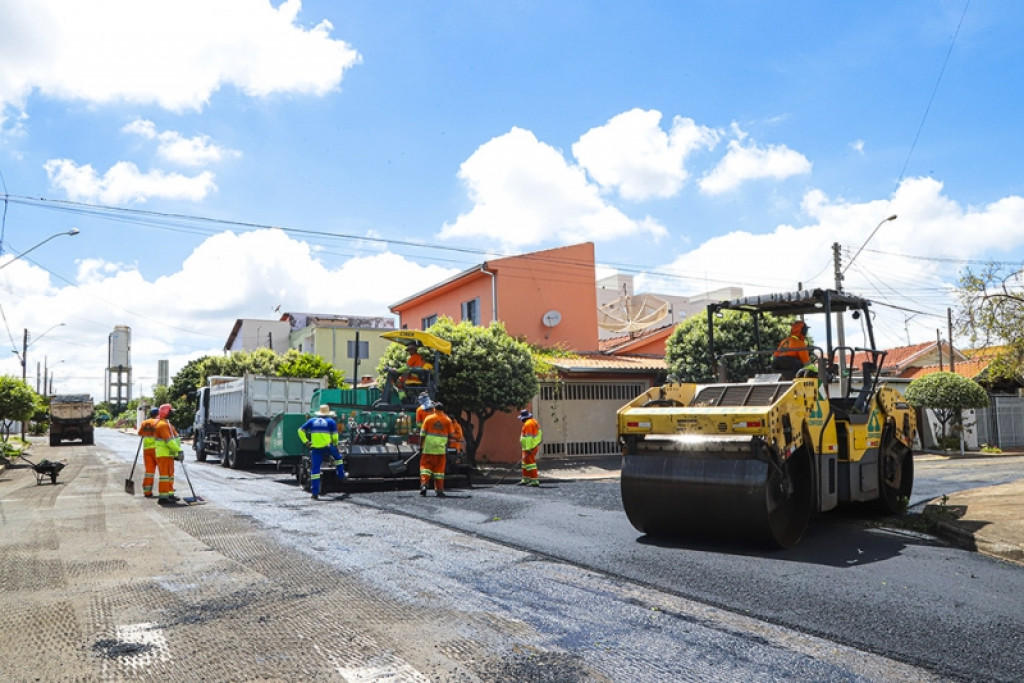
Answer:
(23, 356)
(839, 284)
(49, 391)
(840, 327)
(72, 232)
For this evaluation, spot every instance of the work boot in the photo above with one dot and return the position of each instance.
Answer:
(423, 490)
(534, 482)
(442, 494)
(166, 501)
(523, 482)
(315, 496)
(173, 498)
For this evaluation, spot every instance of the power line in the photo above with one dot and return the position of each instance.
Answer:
(935, 90)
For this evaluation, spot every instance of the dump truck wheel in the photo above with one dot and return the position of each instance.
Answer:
(302, 473)
(231, 454)
(54, 440)
(200, 446)
(223, 451)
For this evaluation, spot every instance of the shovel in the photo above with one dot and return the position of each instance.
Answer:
(400, 467)
(129, 483)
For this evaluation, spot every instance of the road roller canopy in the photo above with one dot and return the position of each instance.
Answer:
(800, 302)
(804, 302)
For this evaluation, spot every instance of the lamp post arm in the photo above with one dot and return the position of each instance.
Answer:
(72, 231)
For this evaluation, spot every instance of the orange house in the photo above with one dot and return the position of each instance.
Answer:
(547, 298)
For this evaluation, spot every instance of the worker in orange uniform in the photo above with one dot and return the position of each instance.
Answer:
(168, 449)
(407, 380)
(147, 430)
(529, 440)
(422, 410)
(434, 436)
(792, 353)
(458, 438)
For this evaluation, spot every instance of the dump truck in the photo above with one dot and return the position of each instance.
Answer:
(754, 460)
(71, 418)
(234, 412)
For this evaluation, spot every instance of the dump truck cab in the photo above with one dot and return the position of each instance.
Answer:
(755, 456)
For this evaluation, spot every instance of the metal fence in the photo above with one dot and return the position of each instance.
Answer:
(1002, 423)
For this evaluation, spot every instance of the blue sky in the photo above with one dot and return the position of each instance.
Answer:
(697, 144)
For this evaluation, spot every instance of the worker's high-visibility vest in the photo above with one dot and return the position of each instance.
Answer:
(434, 433)
(167, 443)
(319, 432)
(531, 435)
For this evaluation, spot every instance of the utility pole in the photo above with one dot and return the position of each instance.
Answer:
(949, 324)
(24, 371)
(844, 382)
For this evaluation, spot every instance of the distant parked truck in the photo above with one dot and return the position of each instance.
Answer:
(234, 412)
(71, 418)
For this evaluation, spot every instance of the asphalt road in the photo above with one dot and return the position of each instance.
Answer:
(902, 596)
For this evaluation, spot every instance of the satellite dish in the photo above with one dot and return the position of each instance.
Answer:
(632, 314)
(551, 318)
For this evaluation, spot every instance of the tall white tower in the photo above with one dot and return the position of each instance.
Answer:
(119, 367)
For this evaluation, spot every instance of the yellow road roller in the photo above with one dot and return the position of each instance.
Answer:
(754, 459)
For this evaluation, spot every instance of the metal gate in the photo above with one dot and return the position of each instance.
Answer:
(1002, 423)
(579, 417)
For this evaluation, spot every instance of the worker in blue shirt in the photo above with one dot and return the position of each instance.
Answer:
(320, 433)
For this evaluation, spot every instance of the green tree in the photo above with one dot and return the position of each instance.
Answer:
(991, 312)
(17, 404)
(182, 392)
(262, 361)
(487, 372)
(298, 364)
(948, 395)
(686, 349)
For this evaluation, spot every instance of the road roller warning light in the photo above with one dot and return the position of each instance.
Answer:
(756, 456)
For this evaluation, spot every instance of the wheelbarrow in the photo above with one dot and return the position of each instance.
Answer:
(44, 469)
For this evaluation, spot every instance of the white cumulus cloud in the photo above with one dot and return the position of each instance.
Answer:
(124, 183)
(632, 154)
(173, 147)
(173, 53)
(525, 192)
(745, 162)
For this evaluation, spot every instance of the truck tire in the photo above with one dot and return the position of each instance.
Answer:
(88, 439)
(223, 451)
(199, 444)
(54, 440)
(303, 475)
(231, 456)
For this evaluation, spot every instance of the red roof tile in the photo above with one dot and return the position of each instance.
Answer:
(604, 363)
(970, 369)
